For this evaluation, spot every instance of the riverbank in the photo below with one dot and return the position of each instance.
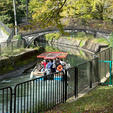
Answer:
(81, 40)
(99, 100)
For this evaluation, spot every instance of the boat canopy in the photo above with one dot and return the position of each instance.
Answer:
(52, 55)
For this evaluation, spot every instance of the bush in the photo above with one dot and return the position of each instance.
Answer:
(111, 39)
(81, 34)
(17, 36)
(52, 36)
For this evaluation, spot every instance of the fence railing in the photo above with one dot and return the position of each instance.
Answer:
(10, 48)
(41, 94)
(105, 55)
(6, 100)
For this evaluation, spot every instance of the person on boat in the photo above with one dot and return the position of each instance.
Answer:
(48, 67)
(43, 63)
(53, 67)
(59, 66)
(63, 63)
(57, 62)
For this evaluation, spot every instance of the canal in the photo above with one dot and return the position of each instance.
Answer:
(75, 56)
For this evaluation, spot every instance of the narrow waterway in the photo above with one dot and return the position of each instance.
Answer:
(75, 56)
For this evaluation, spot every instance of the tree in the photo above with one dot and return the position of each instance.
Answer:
(7, 13)
(47, 12)
(14, 7)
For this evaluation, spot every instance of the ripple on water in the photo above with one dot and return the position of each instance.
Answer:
(6, 81)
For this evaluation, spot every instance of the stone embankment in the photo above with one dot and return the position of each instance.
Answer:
(87, 45)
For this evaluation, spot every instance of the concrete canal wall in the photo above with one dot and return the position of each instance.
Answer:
(87, 45)
(19, 62)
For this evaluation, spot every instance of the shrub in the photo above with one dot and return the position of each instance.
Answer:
(17, 36)
(52, 36)
(81, 34)
(111, 39)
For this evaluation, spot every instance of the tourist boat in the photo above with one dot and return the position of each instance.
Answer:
(36, 72)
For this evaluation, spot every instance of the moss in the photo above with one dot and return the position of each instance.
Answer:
(52, 36)
(6, 69)
(15, 62)
(101, 40)
(17, 36)
(81, 43)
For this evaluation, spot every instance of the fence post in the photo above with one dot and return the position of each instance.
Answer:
(14, 94)
(97, 69)
(65, 86)
(76, 82)
(0, 50)
(11, 102)
(90, 75)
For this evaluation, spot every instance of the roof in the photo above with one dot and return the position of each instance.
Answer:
(52, 55)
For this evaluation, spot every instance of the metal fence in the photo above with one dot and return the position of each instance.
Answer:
(41, 94)
(10, 48)
(35, 95)
(105, 55)
(6, 100)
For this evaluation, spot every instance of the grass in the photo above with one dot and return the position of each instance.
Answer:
(8, 52)
(77, 36)
(99, 100)
(101, 40)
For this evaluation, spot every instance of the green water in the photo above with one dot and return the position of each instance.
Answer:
(74, 57)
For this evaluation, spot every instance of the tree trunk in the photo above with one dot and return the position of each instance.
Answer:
(14, 7)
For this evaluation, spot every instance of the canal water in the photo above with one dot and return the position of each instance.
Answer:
(75, 57)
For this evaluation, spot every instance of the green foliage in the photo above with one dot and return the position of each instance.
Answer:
(80, 34)
(17, 36)
(51, 49)
(51, 12)
(102, 40)
(52, 36)
(9, 52)
(81, 43)
(7, 13)
(111, 39)
(4, 30)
